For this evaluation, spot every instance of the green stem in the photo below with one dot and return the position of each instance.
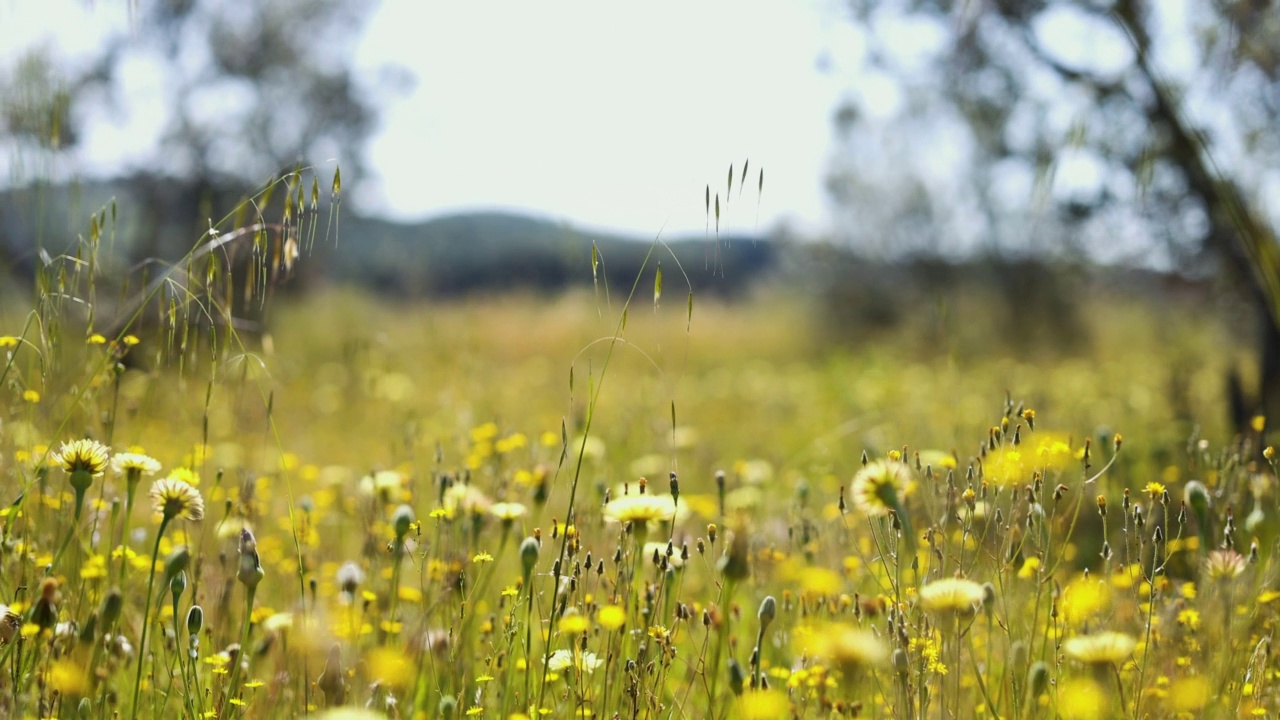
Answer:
(242, 656)
(146, 613)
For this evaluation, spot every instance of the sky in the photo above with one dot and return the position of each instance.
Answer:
(606, 117)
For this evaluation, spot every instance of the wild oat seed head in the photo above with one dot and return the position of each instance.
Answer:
(879, 486)
(174, 498)
(125, 463)
(1104, 648)
(88, 456)
(951, 595)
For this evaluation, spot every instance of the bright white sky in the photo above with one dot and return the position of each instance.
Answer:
(606, 117)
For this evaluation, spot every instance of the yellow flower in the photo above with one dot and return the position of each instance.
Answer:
(8, 341)
(88, 456)
(1083, 699)
(573, 623)
(467, 499)
(1154, 489)
(31, 396)
(1224, 565)
(841, 644)
(643, 508)
(611, 617)
(97, 339)
(1013, 465)
(507, 511)
(585, 661)
(1189, 695)
(951, 595)
(1104, 648)
(125, 462)
(878, 488)
(174, 498)
(68, 678)
(763, 705)
(1084, 598)
(390, 666)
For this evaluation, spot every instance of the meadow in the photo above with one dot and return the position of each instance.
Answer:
(602, 505)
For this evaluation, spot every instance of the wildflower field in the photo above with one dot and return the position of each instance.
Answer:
(602, 505)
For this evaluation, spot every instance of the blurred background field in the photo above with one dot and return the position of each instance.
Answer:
(391, 291)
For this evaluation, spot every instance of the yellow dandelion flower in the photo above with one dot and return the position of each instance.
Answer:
(7, 341)
(125, 462)
(97, 339)
(88, 456)
(31, 396)
(583, 661)
(611, 617)
(507, 511)
(951, 595)
(466, 499)
(390, 666)
(68, 678)
(641, 508)
(879, 487)
(1189, 695)
(574, 623)
(1224, 565)
(1083, 699)
(841, 644)
(1084, 598)
(763, 705)
(174, 498)
(1104, 648)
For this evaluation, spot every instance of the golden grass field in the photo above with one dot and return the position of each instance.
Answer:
(520, 506)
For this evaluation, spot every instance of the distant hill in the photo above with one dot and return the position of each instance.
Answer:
(445, 256)
(464, 253)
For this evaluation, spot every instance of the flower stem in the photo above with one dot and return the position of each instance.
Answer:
(146, 613)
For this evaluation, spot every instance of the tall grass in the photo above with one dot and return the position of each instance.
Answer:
(587, 507)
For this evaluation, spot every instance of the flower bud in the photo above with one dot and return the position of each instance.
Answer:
(528, 556)
(112, 604)
(195, 620)
(768, 611)
(402, 521)
(250, 572)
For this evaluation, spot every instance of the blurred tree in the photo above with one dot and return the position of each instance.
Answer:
(1118, 131)
(246, 91)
